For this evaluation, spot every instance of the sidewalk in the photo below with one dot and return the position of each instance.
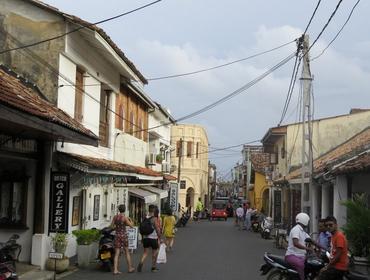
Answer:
(30, 272)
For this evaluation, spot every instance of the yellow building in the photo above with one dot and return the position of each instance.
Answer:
(191, 144)
(259, 195)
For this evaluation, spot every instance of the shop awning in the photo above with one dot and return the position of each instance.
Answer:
(148, 197)
(160, 192)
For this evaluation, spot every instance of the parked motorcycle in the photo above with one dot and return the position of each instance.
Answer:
(7, 269)
(182, 221)
(255, 224)
(10, 250)
(266, 227)
(106, 249)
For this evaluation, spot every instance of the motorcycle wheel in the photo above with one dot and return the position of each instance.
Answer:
(276, 275)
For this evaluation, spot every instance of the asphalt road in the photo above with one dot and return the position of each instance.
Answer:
(203, 251)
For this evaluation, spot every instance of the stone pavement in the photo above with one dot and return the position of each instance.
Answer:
(203, 251)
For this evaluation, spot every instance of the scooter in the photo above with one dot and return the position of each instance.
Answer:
(277, 268)
(266, 227)
(10, 250)
(255, 224)
(106, 249)
(183, 219)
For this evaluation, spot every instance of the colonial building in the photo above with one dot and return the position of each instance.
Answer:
(284, 144)
(85, 74)
(191, 157)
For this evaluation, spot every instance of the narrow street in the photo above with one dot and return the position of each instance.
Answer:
(203, 251)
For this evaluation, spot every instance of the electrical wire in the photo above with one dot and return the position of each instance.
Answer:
(325, 26)
(79, 28)
(312, 16)
(221, 65)
(340, 30)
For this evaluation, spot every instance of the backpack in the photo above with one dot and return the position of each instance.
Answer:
(146, 226)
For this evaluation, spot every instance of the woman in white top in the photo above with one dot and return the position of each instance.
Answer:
(296, 251)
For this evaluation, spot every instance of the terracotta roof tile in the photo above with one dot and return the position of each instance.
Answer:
(260, 161)
(17, 93)
(352, 147)
(105, 164)
(169, 177)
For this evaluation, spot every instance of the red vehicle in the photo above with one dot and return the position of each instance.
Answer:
(219, 210)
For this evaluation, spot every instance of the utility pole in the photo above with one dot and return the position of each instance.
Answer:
(179, 165)
(307, 157)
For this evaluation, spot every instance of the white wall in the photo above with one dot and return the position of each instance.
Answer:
(130, 150)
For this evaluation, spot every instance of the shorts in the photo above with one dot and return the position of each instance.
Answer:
(150, 243)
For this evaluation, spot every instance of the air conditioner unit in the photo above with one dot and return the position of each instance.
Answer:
(151, 159)
(165, 167)
(173, 168)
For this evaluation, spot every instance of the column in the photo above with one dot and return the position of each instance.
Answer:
(325, 200)
(340, 193)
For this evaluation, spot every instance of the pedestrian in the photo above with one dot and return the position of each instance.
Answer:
(338, 261)
(150, 241)
(119, 223)
(296, 251)
(247, 217)
(169, 222)
(239, 213)
(199, 209)
(324, 237)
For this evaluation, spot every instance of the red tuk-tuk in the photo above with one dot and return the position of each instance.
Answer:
(218, 210)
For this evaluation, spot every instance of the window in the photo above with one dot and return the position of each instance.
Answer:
(79, 95)
(189, 150)
(104, 118)
(121, 116)
(139, 133)
(178, 148)
(131, 123)
(13, 202)
(197, 150)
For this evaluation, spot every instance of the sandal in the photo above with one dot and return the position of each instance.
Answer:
(132, 270)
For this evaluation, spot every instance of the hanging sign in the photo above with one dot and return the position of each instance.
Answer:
(174, 196)
(59, 201)
(124, 196)
(132, 238)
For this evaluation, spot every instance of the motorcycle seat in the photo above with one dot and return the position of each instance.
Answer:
(280, 260)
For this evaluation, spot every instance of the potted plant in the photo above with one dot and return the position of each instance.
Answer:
(85, 239)
(357, 228)
(159, 158)
(59, 242)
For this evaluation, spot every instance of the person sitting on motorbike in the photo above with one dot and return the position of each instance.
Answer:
(296, 251)
(338, 262)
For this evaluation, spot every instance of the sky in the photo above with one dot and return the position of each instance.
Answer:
(179, 36)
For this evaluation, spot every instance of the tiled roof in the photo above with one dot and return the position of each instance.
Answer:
(260, 161)
(349, 149)
(358, 163)
(169, 177)
(90, 26)
(111, 165)
(17, 93)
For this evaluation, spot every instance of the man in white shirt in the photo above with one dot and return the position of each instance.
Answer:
(240, 216)
(296, 251)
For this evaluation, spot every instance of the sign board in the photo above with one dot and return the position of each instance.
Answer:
(132, 237)
(59, 202)
(174, 191)
(57, 256)
(124, 196)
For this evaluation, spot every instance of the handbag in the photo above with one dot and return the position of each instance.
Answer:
(162, 257)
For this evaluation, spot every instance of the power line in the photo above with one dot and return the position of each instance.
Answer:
(313, 14)
(219, 66)
(325, 26)
(340, 30)
(79, 28)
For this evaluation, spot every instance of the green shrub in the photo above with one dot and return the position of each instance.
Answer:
(357, 228)
(86, 236)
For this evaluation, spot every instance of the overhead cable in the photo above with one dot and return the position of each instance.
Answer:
(78, 28)
(221, 65)
(340, 30)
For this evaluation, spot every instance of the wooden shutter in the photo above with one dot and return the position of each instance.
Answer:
(79, 95)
